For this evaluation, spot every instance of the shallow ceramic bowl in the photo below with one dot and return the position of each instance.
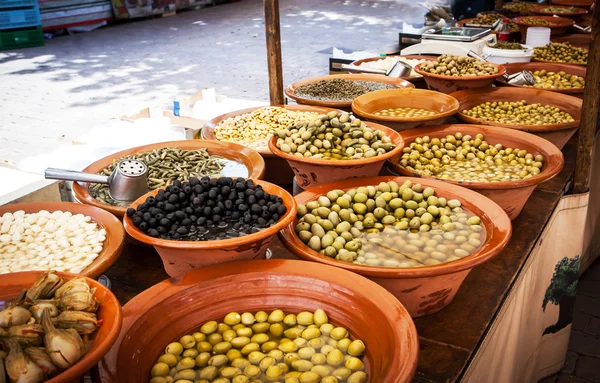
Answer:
(180, 257)
(550, 67)
(277, 169)
(558, 27)
(514, 30)
(558, 134)
(510, 196)
(422, 290)
(543, 10)
(253, 162)
(413, 79)
(115, 235)
(310, 172)
(179, 306)
(109, 312)
(449, 84)
(367, 104)
(574, 3)
(290, 91)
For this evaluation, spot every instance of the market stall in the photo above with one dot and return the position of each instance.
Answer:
(376, 228)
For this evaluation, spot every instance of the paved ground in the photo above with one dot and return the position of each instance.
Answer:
(57, 92)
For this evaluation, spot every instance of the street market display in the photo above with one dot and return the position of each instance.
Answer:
(557, 80)
(561, 53)
(519, 113)
(261, 346)
(45, 329)
(459, 66)
(406, 112)
(339, 89)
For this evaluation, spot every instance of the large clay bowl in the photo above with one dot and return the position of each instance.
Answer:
(449, 84)
(290, 91)
(422, 290)
(550, 67)
(366, 105)
(179, 306)
(115, 235)
(514, 30)
(558, 27)
(413, 79)
(558, 134)
(180, 257)
(250, 158)
(310, 172)
(574, 3)
(109, 312)
(578, 39)
(510, 196)
(277, 169)
(545, 10)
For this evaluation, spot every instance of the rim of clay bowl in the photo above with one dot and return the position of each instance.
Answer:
(115, 235)
(409, 57)
(16, 282)
(208, 130)
(227, 150)
(577, 70)
(270, 188)
(461, 23)
(553, 157)
(271, 270)
(392, 134)
(495, 220)
(575, 3)
(501, 71)
(290, 91)
(402, 94)
(577, 11)
(531, 95)
(557, 22)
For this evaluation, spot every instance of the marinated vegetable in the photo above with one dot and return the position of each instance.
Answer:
(459, 66)
(389, 225)
(255, 128)
(507, 45)
(334, 136)
(519, 113)
(466, 158)
(535, 21)
(339, 89)
(262, 347)
(519, 6)
(406, 112)
(560, 52)
(557, 10)
(207, 209)
(557, 80)
(491, 18)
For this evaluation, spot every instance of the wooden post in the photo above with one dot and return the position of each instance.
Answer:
(274, 51)
(589, 112)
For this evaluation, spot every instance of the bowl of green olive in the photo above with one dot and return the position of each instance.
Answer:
(563, 10)
(550, 115)
(559, 78)
(561, 52)
(558, 25)
(450, 73)
(265, 321)
(502, 164)
(417, 237)
(402, 109)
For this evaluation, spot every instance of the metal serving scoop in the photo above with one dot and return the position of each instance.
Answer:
(127, 182)
(400, 69)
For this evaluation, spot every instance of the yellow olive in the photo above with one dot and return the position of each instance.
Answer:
(169, 359)
(160, 369)
(174, 348)
(356, 348)
(209, 327)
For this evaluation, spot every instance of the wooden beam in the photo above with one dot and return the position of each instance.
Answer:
(273, 33)
(589, 113)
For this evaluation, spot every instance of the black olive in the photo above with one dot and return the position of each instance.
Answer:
(251, 200)
(182, 196)
(216, 218)
(153, 222)
(187, 189)
(235, 215)
(273, 208)
(261, 221)
(177, 183)
(147, 216)
(259, 194)
(211, 203)
(179, 215)
(162, 230)
(159, 216)
(224, 181)
(130, 212)
(175, 189)
(198, 189)
(143, 226)
(255, 209)
(193, 181)
(240, 186)
(228, 205)
(212, 194)
(188, 210)
(153, 233)
(196, 201)
(137, 221)
(170, 216)
(186, 222)
(247, 218)
(201, 221)
(217, 210)
(182, 230)
(176, 236)
(249, 192)
(243, 208)
(207, 211)
(281, 209)
(173, 198)
(165, 222)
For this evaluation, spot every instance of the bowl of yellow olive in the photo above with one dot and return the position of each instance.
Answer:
(559, 78)
(502, 164)
(558, 25)
(418, 238)
(550, 115)
(402, 109)
(265, 321)
(450, 73)
(561, 52)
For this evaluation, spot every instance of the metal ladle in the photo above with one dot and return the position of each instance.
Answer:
(127, 182)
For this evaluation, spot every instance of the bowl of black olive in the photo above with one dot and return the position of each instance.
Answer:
(205, 221)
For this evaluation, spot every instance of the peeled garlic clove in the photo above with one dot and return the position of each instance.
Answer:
(82, 322)
(45, 286)
(19, 367)
(65, 347)
(40, 356)
(27, 334)
(78, 301)
(75, 285)
(38, 309)
(14, 316)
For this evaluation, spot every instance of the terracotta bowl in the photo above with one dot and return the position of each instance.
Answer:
(178, 306)
(550, 67)
(558, 134)
(310, 172)
(277, 169)
(109, 312)
(250, 158)
(413, 79)
(180, 257)
(514, 30)
(510, 196)
(449, 84)
(115, 235)
(574, 3)
(290, 91)
(579, 39)
(558, 27)
(543, 10)
(366, 106)
(526, 11)
(422, 290)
